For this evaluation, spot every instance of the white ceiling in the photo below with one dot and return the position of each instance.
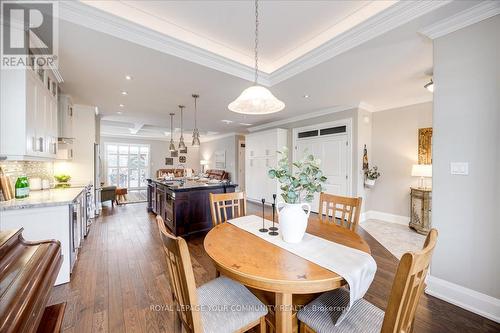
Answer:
(386, 71)
(288, 29)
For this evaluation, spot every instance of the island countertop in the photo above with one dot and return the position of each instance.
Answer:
(190, 185)
(44, 198)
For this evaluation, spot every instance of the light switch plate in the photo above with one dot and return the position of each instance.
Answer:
(459, 168)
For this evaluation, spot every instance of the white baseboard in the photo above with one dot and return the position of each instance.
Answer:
(376, 215)
(471, 300)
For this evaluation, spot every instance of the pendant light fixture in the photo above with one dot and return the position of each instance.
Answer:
(182, 145)
(172, 145)
(256, 99)
(196, 132)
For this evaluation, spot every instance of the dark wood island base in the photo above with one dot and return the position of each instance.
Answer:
(184, 208)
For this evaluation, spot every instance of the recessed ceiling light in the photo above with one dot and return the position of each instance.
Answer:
(119, 112)
(128, 77)
(226, 121)
(122, 105)
(246, 124)
(124, 93)
(306, 96)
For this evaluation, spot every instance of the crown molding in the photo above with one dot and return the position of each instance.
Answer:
(391, 18)
(367, 107)
(407, 102)
(306, 116)
(475, 14)
(386, 20)
(99, 20)
(218, 136)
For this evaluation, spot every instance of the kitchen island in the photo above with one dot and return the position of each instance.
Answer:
(184, 206)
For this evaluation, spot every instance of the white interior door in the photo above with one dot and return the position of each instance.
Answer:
(333, 153)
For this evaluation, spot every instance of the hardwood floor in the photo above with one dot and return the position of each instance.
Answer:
(120, 284)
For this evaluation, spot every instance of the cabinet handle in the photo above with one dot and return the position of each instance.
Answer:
(70, 111)
(71, 153)
(41, 144)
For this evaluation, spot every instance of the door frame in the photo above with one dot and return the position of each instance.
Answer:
(342, 122)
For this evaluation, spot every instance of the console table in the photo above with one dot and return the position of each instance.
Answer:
(420, 209)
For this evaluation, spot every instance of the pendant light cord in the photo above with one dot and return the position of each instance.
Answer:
(195, 113)
(256, 41)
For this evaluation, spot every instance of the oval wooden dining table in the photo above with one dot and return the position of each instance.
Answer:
(263, 266)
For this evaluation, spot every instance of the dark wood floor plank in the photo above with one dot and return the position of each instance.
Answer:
(120, 283)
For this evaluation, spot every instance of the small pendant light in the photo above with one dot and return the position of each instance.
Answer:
(182, 145)
(196, 132)
(256, 99)
(172, 145)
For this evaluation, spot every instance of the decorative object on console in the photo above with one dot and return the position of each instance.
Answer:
(298, 189)
(256, 99)
(263, 229)
(174, 153)
(169, 161)
(182, 159)
(423, 171)
(196, 132)
(182, 145)
(371, 175)
(420, 206)
(425, 145)
(183, 151)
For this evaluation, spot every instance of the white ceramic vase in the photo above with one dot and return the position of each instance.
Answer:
(370, 182)
(293, 221)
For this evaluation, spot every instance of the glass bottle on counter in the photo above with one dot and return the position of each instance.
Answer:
(22, 187)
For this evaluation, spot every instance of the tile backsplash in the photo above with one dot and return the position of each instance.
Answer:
(14, 169)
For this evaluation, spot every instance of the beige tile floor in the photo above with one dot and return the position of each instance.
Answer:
(396, 238)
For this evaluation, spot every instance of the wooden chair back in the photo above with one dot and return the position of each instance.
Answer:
(343, 211)
(223, 203)
(407, 288)
(182, 281)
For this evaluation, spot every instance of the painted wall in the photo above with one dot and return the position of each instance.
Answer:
(81, 168)
(394, 150)
(159, 150)
(467, 129)
(334, 116)
(229, 144)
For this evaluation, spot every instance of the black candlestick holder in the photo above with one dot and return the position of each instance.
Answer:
(263, 225)
(273, 228)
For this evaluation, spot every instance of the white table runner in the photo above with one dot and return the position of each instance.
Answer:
(356, 267)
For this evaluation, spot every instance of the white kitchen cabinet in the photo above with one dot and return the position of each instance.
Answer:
(28, 114)
(261, 155)
(65, 116)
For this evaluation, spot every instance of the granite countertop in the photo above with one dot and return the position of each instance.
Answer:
(44, 198)
(174, 185)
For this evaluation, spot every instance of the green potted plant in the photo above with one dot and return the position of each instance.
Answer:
(371, 176)
(298, 191)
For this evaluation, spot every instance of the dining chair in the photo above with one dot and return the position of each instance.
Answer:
(321, 314)
(219, 306)
(223, 203)
(343, 211)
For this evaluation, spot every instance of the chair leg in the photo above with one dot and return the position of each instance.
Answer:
(262, 324)
(217, 273)
(177, 322)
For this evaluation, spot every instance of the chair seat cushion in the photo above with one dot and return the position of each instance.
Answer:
(322, 314)
(227, 306)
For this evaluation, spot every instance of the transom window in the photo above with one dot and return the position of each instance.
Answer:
(127, 165)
